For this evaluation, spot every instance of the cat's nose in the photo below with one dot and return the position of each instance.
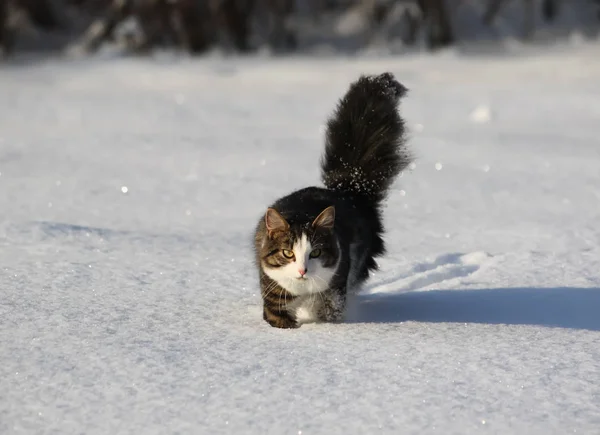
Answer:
(302, 271)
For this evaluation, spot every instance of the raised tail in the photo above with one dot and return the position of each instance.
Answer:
(365, 142)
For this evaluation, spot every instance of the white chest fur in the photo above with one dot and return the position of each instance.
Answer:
(306, 309)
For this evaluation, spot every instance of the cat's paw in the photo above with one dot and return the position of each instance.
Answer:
(278, 318)
(283, 323)
(334, 316)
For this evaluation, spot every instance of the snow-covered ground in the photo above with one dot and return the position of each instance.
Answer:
(129, 190)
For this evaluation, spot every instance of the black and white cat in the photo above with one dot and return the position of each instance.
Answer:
(315, 245)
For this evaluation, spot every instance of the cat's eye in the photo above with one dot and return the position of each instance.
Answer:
(288, 254)
(315, 253)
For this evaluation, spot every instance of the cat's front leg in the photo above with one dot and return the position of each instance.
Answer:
(333, 307)
(279, 318)
(276, 305)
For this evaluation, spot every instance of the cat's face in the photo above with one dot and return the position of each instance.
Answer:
(301, 258)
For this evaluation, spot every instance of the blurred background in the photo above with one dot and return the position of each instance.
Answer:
(281, 27)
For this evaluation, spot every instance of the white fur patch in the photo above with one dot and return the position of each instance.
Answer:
(302, 249)
(306, 314)
(317, 277)
(306, 308)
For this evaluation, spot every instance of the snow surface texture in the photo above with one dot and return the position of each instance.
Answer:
(129, 190)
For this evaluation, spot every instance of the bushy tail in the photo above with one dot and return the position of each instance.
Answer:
(365, 141)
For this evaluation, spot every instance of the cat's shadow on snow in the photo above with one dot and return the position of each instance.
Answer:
(575, 308)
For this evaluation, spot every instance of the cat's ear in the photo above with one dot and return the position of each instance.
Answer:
(275, 222)
(326, 219)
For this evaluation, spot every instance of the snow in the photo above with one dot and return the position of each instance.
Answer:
(129, 190)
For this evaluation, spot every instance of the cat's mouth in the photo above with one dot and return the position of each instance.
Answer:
(301, 278)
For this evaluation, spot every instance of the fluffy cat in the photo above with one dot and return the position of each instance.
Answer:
(316, 244)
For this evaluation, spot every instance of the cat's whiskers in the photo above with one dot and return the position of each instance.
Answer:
(322, 279)
(270, 288)
(313, 299)
(320, 294)
(279, 302)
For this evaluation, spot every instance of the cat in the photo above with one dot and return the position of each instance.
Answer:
(316, 245)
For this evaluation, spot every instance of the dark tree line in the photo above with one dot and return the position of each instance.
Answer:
(198, 25)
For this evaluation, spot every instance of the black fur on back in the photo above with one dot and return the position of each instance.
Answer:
(365, 141)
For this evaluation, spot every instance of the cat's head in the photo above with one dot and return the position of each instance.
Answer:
(302, 257)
